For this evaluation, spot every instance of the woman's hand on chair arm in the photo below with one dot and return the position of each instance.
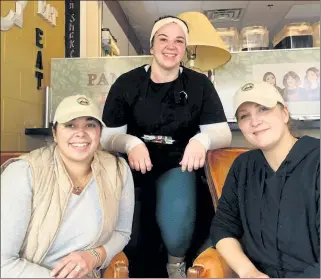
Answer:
(232, 252)
(87, 262)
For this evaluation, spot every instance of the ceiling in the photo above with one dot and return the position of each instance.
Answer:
(142, 14)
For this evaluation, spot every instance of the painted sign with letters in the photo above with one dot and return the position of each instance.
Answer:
(72, 28)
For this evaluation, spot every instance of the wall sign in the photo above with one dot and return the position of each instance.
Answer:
(101, 79)
(47, 12)
(14, 17)
(39, 65)
(72, 28)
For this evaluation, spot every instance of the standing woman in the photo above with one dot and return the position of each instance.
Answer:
(165, 117)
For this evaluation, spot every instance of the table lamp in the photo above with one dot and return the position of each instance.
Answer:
(205, 50)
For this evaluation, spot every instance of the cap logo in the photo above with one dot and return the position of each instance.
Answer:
(83, 101)
(247, 87)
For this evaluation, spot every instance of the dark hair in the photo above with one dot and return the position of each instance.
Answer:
(54, 126)
(268, 74)
(313, 69)
(292, 75)
(307, 83)
(167, 16)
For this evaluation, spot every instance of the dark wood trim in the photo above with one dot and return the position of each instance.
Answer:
(297, 125)
(122, 20)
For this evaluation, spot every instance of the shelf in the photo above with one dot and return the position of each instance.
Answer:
(299, 124)
(38, 132)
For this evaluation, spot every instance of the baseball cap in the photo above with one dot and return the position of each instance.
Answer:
(77, 106)
(261, 93)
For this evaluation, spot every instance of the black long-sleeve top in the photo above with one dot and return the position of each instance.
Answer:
(275, 215)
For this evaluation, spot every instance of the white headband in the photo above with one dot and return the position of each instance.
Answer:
(167, 20)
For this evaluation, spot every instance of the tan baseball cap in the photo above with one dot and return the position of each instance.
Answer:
(77, 106)
(261, 93)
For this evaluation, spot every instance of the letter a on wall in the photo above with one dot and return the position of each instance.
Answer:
(13, 17)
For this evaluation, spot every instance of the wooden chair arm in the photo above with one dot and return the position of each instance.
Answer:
(118, 267)
(210, 264)
(196, 271)
(5, 156)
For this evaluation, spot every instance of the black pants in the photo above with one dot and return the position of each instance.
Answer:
(146, 252)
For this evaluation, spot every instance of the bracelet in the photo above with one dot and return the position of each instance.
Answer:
(96, 255)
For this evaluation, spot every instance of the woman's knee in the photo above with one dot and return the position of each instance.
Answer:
(176, 197)
(175, 184)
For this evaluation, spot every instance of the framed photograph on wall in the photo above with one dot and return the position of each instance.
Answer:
(294, 72)
(298, 83)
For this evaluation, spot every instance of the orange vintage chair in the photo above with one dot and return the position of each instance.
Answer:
(210, 264)
(118, 267)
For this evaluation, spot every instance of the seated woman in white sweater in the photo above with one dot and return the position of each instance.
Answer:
(66, 209)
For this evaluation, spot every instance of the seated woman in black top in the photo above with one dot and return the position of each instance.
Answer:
(153, 114)
(267, 222)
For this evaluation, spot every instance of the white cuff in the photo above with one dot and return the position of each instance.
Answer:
(214, 136)
(203, 139)
(122, 143)
(116, 140)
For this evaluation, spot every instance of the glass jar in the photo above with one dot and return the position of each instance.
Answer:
(230, 37)
(294, 35)
(254, 38)
(316, 34)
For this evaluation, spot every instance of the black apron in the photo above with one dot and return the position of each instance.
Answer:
(165, 113)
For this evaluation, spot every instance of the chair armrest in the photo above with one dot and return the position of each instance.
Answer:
(118, 267)
(210, 264)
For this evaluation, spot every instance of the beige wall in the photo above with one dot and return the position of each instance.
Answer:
(95, 15)
(109, 21)
(90, 26)
(22, 105)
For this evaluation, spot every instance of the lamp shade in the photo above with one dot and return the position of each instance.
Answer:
(211, 51)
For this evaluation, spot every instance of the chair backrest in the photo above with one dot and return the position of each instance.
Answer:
(8, 155)
(218, 163)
